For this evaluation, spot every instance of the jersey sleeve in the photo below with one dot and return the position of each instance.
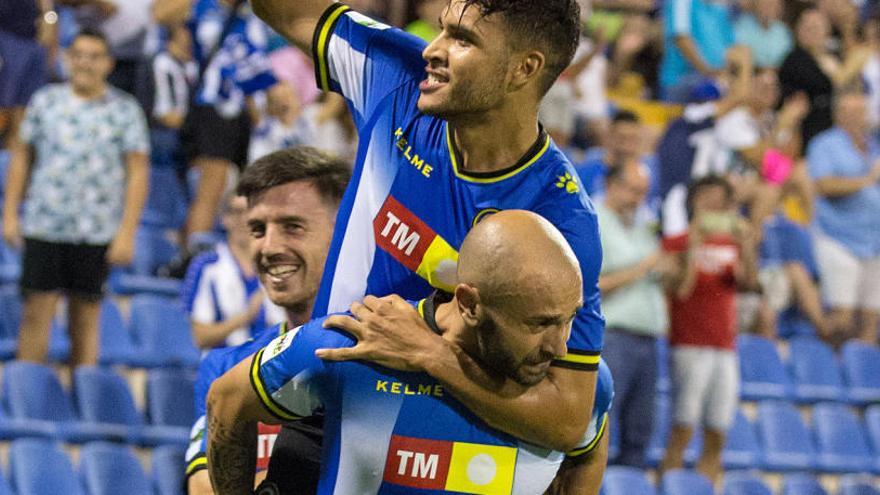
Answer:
(362, 59)
(209, 370)
(573, 214)
(599, 416)
(287, 376)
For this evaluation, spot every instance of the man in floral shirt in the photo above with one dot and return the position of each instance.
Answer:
(81, 169)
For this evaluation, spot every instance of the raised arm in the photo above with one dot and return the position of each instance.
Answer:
(295, 20)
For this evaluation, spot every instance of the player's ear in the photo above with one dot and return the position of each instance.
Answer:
(529, 67)
(468, 303)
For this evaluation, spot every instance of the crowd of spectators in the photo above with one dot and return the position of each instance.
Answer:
(730, 148)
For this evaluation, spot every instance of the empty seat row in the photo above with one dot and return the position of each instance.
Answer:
(101, 406)
(620, 480)
(813, 372)
(837, 441)
(41, 467)
(158, 333)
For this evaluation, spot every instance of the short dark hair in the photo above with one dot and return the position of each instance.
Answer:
(552, 26)
(92, 33)
(328, 173)
(704, 183)
(625, 116)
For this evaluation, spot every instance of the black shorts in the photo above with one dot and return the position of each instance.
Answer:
(205, 133)
(295, 465)
(78, 269)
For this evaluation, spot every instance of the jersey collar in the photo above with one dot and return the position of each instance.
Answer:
(428, 308)
(532, 155)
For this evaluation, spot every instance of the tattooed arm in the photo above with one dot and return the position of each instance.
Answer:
(233, 411)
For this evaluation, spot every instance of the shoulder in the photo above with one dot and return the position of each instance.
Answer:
(202, 261)
(833, 137)
(47, 93)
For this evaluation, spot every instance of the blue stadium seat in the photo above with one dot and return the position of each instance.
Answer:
(872, 421)
(763, 374)
(162, 330)
(744, 483)
(105, 404)
(660, 435)
(802, 484)
(123, 283)
(39, 406)
(787, 442)
(685, 482)
(40, 467)
(861, 369)
(10, 319)
(624, 480)
(59, 342)
(856, 484)
(840, 440)
(166, 204)
(167, 470)
(10, 264)
(741, 450)
(117, 346)
(171, 404)
(815, 370)
(152, 250)
(111, 469)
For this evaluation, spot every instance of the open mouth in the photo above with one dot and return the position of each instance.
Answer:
(433, 82)
(280, 273)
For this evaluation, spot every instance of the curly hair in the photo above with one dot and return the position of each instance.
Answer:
(551, 26)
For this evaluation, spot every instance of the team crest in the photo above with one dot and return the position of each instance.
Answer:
(567, 182)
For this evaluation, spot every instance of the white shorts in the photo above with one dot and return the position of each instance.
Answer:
(705, 384)
(847, 282)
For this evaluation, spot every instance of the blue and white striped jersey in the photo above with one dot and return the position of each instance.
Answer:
(409, 205)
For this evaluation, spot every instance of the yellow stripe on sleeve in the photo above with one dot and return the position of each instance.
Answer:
(321, 42)
(594, 442)
(197, 464)
(265, 398)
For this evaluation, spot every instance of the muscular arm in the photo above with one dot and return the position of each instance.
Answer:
(391, 333)
(550, 414)
(233, 412)
(295, 20)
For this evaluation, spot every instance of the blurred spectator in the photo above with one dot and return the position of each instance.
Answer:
(763, 31)
(329, 127)
(23, 61)
(124, 24)
(557, 115)
(871, 71)
(588, 76)
(715, 257)
(292, 65)
(845, 165)
(634, 306)
(172, 80)
(635, 58)
(83, 164)
(693, 147)
(427, 25)
(812, 69)
(761, 144)
(697, 35)
(222, 292)
(624, 143)
(277, 122)
(230, 44)
(174, 76)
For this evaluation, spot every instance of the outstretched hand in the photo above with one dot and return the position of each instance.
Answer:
(389, 332)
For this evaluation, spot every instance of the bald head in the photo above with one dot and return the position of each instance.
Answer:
(517, 253)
